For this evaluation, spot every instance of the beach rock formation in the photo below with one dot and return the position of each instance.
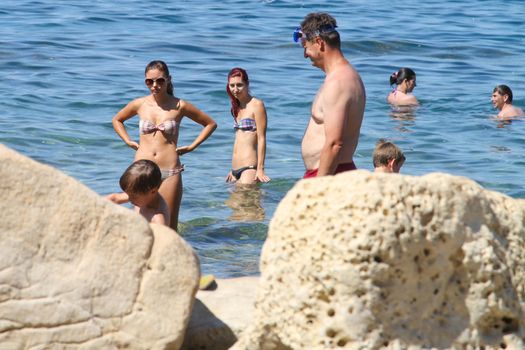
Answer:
(386, 261)
(77, 271)
(221, 315)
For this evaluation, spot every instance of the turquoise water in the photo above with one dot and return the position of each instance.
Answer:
(68, 67)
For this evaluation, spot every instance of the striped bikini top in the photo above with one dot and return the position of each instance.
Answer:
(169, 127)
(246, 124)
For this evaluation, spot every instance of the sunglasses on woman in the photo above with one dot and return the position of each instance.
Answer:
(159, 81)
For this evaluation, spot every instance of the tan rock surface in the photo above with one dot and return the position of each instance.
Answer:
(385, 261)
(221, 315)
(77, 271)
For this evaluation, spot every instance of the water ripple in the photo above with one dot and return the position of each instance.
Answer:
(69, 67)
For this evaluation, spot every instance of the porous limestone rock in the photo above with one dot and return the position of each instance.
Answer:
(221, 315)
(77, 271)
(386, 261)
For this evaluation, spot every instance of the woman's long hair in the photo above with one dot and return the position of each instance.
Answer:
(400, 76)
(236, 72)
(163, 67)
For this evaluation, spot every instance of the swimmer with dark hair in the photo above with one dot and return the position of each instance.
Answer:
(502, 100)
(405, 82)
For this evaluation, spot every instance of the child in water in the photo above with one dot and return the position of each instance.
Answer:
(387, 157)
(140, 183)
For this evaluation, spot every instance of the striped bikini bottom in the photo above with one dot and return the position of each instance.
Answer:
(165, 173)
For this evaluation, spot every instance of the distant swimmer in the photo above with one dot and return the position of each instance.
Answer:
(502, 100)
(405, 82)
(387, 157)
(332, 133)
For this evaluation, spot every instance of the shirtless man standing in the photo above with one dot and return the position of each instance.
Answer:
(332, 134)
(502, 100)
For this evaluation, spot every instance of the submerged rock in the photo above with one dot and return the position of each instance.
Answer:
(385, 261)
(77, 271)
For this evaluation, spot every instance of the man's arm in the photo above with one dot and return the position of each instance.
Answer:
(336, 108)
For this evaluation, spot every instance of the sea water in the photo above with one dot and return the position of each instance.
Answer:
(67, 67)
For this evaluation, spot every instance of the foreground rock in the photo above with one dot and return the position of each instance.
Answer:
(221, 315)
(77, 271)
(381, 261)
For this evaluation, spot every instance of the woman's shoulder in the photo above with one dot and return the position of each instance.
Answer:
(138, 100)
(400, 98)
(180, 103)
(411, 99)
(256, 103)
(391, 96)
(136, 103)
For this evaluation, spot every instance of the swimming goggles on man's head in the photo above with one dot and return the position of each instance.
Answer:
(298, 34)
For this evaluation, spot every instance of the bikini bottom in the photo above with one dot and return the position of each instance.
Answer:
(238, 172)
(165, 173)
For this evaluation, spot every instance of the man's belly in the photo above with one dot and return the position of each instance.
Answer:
(311, 148)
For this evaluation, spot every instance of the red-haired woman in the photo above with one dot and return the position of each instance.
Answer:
(160, 115)
(249, 115)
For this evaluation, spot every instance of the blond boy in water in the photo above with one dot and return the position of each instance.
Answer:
(387, 157)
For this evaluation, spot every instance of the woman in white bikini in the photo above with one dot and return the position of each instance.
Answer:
(160, 115)
(405, 82)
(249, 123)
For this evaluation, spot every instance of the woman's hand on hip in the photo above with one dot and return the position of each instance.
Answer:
(183, 150)
(133, 145)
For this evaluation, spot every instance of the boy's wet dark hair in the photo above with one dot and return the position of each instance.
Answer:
(386, 151)
(141, 177)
